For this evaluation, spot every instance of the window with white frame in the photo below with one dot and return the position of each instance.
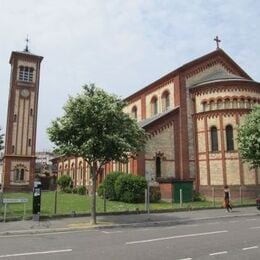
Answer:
(26, 73)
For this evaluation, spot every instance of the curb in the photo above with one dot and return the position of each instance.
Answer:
(147, 222)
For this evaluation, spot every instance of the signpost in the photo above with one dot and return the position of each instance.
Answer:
(7, 201)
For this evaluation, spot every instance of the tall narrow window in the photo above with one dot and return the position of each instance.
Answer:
(165, 101)
(229, 138)
(204, 106)
(134, 112)
(227, 103)
(29, 142)
(154, 106)
(211, 105)
(214, 139)
(22, 175)
(158, 166)
(19, 174)
(219, 104)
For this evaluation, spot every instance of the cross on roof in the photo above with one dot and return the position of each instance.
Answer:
(217, 40)
(26, 47)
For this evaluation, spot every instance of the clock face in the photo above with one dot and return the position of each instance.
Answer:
(25, 93)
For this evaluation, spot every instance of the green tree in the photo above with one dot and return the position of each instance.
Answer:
(64, 182)
(1, 141)
(95, 128)
(249, 138)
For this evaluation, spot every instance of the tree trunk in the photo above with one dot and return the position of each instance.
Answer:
(93, 220)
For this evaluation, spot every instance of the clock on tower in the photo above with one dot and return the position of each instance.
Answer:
(20, 137)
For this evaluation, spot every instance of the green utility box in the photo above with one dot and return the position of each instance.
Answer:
(187, 190)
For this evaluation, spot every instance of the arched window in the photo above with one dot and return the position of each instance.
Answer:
(219, 104)
(158, 166)
(165, 101)
(204, 106)
(214, 139)
(19, 174)
(134, 112)
(154, 106)
(242, 103)
(235, 103)
(211, 105)
(227, 103)
(229, 138)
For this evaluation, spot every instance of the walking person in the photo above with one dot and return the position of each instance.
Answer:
(227, 199)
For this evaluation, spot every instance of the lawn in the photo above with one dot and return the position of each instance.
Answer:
(80, 204)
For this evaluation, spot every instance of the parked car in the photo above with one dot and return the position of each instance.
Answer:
(258, 202)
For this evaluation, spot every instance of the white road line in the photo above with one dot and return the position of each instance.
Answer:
(173, 237)
(251, 219)
(185, 259)
(37, 253)
(112, 232)
(248, 248)
(254, 227)
(218, 253)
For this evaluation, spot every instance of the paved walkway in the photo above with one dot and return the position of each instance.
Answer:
(74, 223)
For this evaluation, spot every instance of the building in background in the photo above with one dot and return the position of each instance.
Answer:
(45, 170)
(20, 138)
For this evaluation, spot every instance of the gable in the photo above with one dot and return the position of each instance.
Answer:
(215, 72)
(215, 66)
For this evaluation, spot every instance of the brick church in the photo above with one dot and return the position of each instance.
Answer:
(191, 115)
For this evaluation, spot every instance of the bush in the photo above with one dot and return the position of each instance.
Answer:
(100, 190)
(64, 181)
(74, 190)
(67, 190)
(109, 185)
(198, 196)
(81, 190)
(130, 188)
(155, 193)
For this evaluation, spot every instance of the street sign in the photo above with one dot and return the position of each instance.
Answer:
(19, 200)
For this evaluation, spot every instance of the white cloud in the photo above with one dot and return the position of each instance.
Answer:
(120, 45)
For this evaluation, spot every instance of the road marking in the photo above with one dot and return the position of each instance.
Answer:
(254, 227)
(185, 259)
(218, 253)
(248, 248)
(251, 219)
(213, 223)
(37, 253)
(173, 237)
(111, 232)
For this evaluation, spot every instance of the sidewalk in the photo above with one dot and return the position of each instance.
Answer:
(111, 221)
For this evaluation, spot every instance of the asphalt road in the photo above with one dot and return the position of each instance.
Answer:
(231, 238)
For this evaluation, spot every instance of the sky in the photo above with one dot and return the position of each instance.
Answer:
(120, 45)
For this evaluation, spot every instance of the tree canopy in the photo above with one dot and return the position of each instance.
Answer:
(95, 128)
(1, 141)
(249, 138)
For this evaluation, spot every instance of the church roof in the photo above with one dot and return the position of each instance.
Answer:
(154, 118)
(182, 69)
(219, 76)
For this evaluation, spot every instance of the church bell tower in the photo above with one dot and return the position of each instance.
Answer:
(20, 137)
